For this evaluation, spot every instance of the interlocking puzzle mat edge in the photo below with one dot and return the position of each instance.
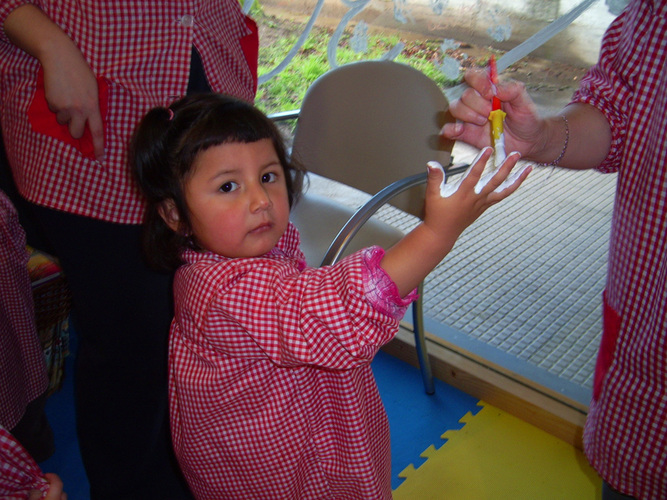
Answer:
(498, 456)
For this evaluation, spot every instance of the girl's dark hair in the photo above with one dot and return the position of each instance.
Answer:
(165, 146)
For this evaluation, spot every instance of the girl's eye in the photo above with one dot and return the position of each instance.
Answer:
(269, 177)
(228, 187)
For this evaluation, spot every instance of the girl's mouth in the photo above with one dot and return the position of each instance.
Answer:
(262, 228)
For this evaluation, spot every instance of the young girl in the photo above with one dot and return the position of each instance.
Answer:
(271, 390)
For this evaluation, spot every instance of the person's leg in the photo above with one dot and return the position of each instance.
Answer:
(121, 314)
(34, 432)
(609, 493)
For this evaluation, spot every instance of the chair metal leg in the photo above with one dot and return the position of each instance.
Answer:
(420, 342)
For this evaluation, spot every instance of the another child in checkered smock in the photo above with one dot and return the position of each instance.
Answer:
(20, 476)
(271, 390)
(23, 374)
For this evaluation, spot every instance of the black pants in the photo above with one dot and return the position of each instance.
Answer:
(34, 432)
(609, 493)
(122, 311)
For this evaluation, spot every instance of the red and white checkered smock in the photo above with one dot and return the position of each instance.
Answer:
(271, 389)
(19, 473)
(23, 374)
(141, 50)
(625, 437)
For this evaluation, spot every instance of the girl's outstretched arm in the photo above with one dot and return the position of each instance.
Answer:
(414, 257)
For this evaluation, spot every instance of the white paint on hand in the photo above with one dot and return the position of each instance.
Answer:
(500, 155)
(447, 190)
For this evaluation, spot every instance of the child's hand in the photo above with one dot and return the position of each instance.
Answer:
(411, 259)
(451, 208)
(55, 489)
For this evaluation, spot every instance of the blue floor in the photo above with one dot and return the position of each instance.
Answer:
(417, 421)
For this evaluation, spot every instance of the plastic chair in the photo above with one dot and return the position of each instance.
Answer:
(371, 125)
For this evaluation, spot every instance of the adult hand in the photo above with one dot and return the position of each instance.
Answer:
(70, 85)
(71, 93)
(523, 127)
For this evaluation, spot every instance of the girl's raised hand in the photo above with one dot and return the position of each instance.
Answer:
(470, 197)
(446, 217)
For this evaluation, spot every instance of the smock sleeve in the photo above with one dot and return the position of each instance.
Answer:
(335, 316)
(20, 473)
(608, 86)
(6, 8)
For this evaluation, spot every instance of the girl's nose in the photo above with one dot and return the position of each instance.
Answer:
(260, 200)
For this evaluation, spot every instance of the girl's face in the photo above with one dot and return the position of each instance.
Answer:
(237, 198)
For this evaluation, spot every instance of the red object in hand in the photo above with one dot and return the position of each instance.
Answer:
(493, 74)
(493, 70)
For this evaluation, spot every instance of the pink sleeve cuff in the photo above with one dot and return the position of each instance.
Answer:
(379, 289)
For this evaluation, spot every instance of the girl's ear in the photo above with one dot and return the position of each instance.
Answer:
(169, 213)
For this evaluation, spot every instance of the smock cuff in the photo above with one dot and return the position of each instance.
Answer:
(379, 289)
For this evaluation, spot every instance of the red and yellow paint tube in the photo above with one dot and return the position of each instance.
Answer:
(497, 118)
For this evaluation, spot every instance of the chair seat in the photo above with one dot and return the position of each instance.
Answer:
(316, 235)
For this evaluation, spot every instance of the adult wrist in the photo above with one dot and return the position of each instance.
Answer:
(565, 143)
(555, 138)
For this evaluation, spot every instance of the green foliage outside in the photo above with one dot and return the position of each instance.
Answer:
(285, 91)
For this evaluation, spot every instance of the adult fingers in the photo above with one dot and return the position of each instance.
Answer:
(96, 127)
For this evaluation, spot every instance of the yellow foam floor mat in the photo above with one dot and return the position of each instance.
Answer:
(497, 456)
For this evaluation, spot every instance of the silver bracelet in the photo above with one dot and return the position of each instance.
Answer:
(567, 140)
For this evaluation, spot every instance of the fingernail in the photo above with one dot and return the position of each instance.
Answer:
(456, 128)
(434, 165)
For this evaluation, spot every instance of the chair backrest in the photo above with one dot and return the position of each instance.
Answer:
(370, 123)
